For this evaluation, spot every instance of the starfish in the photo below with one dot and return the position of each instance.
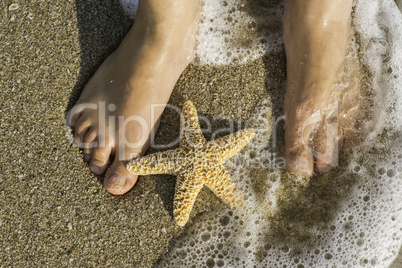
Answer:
(195, 163)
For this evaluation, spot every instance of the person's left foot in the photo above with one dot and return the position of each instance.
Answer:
(118, 112)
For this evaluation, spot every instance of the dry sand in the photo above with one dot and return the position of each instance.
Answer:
(53, 210)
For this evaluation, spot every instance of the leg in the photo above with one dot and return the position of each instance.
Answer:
(316, 33)
(141, 72)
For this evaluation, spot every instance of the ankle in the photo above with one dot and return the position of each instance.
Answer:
(167, 19)
(163, 37)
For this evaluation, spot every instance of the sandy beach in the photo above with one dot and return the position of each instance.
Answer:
(53, 211)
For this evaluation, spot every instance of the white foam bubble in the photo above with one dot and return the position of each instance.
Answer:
(228, 33)
(381, 37)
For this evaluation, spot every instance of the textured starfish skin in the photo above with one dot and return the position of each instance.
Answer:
(195, 163)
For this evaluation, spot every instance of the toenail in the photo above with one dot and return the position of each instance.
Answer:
(118, 181)
(87, 157)
(325, 168)
(95, 169)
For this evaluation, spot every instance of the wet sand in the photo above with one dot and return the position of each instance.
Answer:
(53, 210)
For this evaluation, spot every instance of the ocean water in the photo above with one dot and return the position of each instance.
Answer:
(350, 219)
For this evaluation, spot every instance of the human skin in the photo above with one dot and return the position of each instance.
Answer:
(316, 33)
(160, 45)
(140, 73)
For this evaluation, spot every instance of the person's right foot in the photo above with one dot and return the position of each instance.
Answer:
(140, 73)
(316, 36)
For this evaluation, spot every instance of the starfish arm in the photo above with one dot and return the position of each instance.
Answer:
(220, 182)
(167, 162)
(190, 132)
(225, 147)
(186, 191)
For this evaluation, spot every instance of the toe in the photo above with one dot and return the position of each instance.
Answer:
(73, 116)
(118, 179)
(298, 156)
(87, 156)
(89, 140)
(300, 162)
(80, 136)
(323, 167)
(100, 160)
(327, 148)
(80, 131)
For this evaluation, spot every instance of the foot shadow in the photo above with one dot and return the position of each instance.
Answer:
(102, 25)
(268, 28)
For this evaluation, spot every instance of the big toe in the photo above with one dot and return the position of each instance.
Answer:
(327, 148)
(298, 156)
(302, 163)
(118, 179)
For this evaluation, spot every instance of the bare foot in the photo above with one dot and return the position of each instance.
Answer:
(318, 113)
(116, 115)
